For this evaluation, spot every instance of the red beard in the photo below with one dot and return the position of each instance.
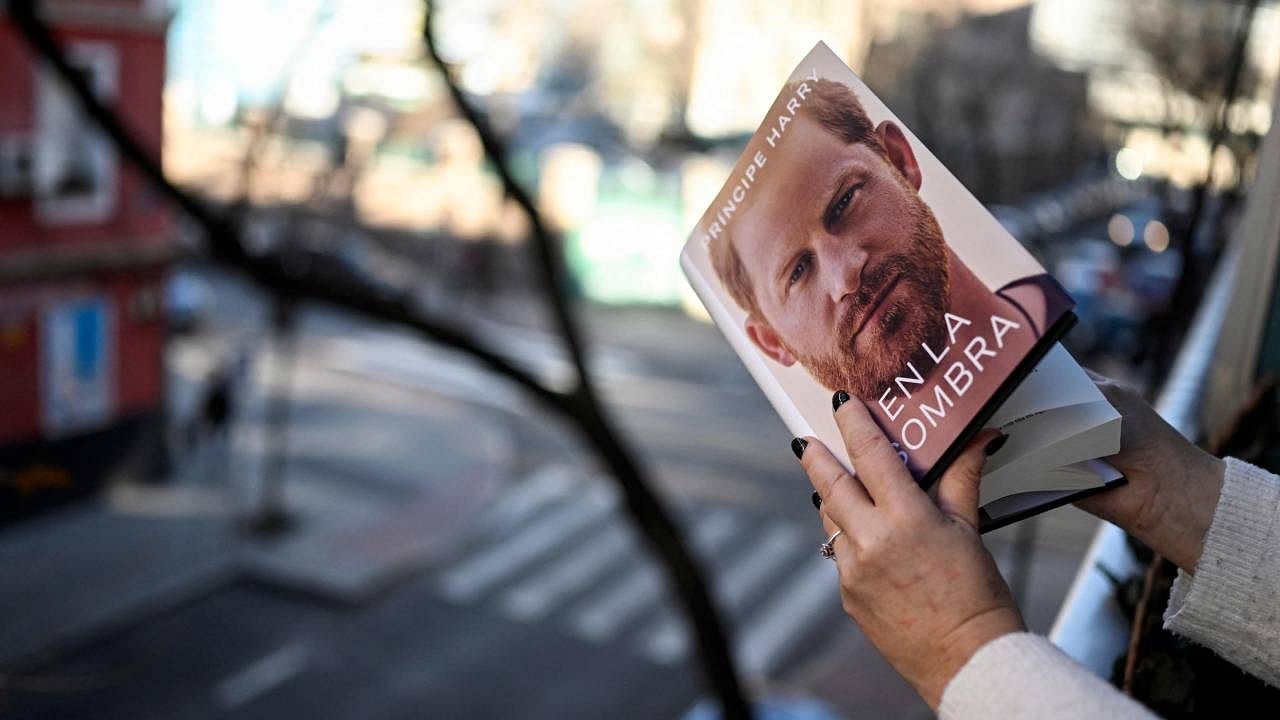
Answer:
(911, 317)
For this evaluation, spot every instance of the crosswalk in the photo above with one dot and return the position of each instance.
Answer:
(555, 548)
(535, 541)
(746, 578)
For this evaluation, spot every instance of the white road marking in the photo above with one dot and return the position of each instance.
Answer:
(745, 577)
(806, 598)
(538, 596)
(262, 675)
(600, 617)
(601, 620)
(527, 497)
(471, 577)
(667, 640)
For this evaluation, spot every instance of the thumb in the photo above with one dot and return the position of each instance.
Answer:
(958, 488)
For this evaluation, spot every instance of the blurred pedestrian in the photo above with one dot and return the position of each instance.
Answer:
(210, 429)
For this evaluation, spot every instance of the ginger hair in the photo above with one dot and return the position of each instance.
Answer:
(835, 107)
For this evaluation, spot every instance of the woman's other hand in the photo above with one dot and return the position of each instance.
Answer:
(914, 574)
(1173, 485)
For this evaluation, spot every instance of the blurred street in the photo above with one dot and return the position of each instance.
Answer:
(213, 505)
(438, 520)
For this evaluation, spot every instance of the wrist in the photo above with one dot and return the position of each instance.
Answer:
(1178, 528)
(960, 646)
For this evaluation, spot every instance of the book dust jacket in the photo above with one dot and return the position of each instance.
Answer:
(841, 255)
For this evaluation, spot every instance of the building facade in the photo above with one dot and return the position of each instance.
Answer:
(84, 245)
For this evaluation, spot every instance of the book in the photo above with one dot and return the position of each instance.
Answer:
(840, 254)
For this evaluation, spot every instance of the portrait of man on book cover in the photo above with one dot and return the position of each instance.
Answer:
(838, 265)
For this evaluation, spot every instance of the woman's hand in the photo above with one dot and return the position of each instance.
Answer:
(1173, 485)
(913, 573)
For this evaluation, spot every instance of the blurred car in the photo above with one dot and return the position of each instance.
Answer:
(1152, 277)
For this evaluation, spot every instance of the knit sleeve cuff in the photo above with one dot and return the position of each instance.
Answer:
(1021, 675)
(1219, 601)
(1211, 601)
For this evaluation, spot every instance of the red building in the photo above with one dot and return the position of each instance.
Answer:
(84, 245)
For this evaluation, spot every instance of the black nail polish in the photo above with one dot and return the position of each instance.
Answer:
(841, 397)
(798, 445)
(996, 443)
(817, 500)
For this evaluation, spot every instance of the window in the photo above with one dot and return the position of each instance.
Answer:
(74, 174)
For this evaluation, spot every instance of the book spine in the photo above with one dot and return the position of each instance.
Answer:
(737, 338)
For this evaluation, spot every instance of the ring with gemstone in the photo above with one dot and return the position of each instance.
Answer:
(827, 549)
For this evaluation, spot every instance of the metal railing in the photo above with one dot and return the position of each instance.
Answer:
(1091, 627)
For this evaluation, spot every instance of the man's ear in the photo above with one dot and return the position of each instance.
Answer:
(899, 150)
(767, 339)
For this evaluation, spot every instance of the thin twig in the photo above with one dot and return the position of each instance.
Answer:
(1138, 629)
(1190, 278)
(545, 245)
(652, 519)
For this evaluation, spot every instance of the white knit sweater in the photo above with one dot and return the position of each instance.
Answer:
(1231, 605)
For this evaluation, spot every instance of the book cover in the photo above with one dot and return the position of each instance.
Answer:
(842, 255)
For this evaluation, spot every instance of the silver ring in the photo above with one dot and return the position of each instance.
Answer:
(827, 549)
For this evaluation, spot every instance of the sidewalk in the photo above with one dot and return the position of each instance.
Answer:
(378, 479)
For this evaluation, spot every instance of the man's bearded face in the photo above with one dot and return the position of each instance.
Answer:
(848, 264)
(911, 315)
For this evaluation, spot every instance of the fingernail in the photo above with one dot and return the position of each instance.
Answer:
(817, 500)
(996, 443)
(798, 445)
(841, 397)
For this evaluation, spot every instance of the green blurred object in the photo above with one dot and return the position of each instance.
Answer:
(627, 252)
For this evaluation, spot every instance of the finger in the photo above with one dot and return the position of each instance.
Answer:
(843, 495)
(843, 544)
(958, 488)
(878, 465)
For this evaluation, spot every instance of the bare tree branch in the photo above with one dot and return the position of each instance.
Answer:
(580, 406)
(653, 520)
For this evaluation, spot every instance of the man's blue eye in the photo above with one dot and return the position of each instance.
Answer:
(798, 271)
(843, 203)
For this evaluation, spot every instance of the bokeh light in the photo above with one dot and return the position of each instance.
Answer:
(1120, 230)
(1129, 164)
(1156, 236)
